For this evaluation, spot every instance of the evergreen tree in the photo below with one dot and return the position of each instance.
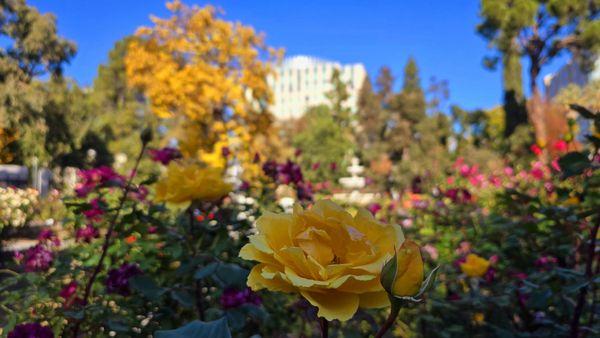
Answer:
(410, 102)
(384, 85)
(370, 118)
(337, 96)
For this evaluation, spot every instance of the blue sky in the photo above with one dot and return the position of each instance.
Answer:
(439, 34)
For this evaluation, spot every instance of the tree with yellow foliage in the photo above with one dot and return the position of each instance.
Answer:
(209, 77)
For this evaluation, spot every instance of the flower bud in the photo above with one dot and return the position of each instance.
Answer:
(402, 276)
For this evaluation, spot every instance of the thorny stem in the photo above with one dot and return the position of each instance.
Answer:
(198, 283)
(575, 329)
(107, 238)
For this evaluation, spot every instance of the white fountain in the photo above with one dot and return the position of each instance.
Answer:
(354, 183)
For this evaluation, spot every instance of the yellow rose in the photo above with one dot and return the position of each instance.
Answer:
(409, 270)
(479, 318)
(475, 266)
(185, 182)
(332, 259)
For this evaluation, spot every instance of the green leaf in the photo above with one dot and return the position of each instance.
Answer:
(117, 325)
(198, 329)
(184, 298)
(147, 287)
(429, 282)
(232, 275)
(78, 315)
(206, 271)
(388, 274)
(584, 112)
(573, 163)
(236, 318)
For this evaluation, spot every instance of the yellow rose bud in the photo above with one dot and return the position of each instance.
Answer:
(174, 265)
(404, 277)
(475, 266)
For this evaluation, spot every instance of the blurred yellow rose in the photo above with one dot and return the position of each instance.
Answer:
(479, 318)
(185, 182)
(409, 270)
(475, 266)
(332, 259)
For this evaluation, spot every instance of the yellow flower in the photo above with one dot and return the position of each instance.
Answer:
(479, 318)
(185, 182)
(475, 266)
(409, 270)
(572, 201)
(332, 259)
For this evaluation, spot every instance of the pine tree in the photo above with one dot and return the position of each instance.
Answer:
(410, 102)
(337, 96)
(384, 85)
(370, 117)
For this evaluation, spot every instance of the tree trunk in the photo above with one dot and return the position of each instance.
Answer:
(536, 112)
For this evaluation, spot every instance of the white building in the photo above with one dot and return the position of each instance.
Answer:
(568, 74)
(303, 81)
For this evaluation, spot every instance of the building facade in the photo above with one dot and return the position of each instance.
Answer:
(301, 82)
(570, 73)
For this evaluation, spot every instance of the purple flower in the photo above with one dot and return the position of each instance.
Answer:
(270, 169)
(460, 196)
(232, 298)
(31, 330)
(94, 177)
(68, 290)
(37, 258)
(118, 279)
(546, 262)
(289, 172)
(490, 275)
(283, 173)
(47, 236)
(87, 233)
(225, 152)
(244, 186)
(304, 191)
(95, 212)
(374, 208)
(164, 155)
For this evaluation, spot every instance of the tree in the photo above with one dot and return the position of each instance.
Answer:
(370, 118)
(337, 96)
(322, 142)
(384, 85)
(538, 30)
(33, 50)
(116, 100)
(410, 102)
(208, 76)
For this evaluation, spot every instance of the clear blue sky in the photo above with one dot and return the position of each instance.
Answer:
(439, 34)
